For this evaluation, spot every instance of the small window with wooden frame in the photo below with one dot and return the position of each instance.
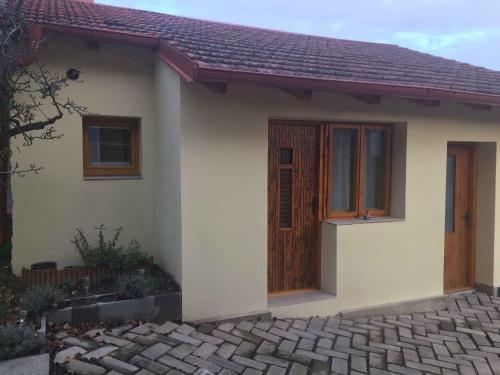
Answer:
(111, 146)
(358, 171)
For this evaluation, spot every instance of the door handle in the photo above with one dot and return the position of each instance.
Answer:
(314, 205)
(467, 217)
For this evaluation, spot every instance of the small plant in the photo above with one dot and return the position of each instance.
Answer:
(38, 299)
(18, 342)
(135, 287)
(109, 253)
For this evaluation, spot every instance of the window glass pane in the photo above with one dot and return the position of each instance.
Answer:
(344, 151)
(449, 222)
(110, 145)
(375, 176)
(286, 177)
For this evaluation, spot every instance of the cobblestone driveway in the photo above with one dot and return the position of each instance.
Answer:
(464, 338)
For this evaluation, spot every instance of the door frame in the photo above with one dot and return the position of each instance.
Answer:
(315, 268)
(471, 269)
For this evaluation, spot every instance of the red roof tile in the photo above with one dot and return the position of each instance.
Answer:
(227, 47)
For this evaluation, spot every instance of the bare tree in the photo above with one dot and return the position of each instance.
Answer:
(31, 98)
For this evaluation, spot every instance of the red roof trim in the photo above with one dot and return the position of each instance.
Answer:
(182, 64)
(191, 71)
(352, 87)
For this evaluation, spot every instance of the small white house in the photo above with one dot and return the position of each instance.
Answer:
(267, 171)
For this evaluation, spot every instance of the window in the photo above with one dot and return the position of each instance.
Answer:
(358, 170)
(110, 146)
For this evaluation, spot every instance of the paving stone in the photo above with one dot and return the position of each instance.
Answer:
(185, 329)
(358, 364)
(226, 327)
(226, 350)
(266, 348)
(281, 333)
(206, 328)
(340, 366)
(263, 325)
(287, 346)
(120, 366)
(267, 336)
(248, 362)
(127, 352)
(155, 338)
(121, 330)
(205, 350)
(68, 354)
(423, 367)
(247, 336)
(93, 333)
(112, 340)
(156, 351)
(312, 355)
(320, 368)
(184, 338)
(298, 369)
(141, 372)
(227, 364)
(83, 368)
(246, 349)
(227, 337)
(271, 360)
(251, 371)
(376, 360)
(149, 365)
(82, 343)
(306, 344)
(245, 326)
(166, 328)
(206, 338)
(204, 364)
(144, 329)
(175, 363)
(325, 343)
(274, 370)
(182, 351)
(100, 352)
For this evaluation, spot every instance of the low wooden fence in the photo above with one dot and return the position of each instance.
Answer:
(97, 275)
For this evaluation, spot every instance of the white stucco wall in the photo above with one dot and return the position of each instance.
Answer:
(224, 191)
(167, 187)
(49, 207)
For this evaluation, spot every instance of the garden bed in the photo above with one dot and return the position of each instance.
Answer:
(155, 308)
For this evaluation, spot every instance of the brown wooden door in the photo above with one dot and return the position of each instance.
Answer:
(293, 196)
(459, 260)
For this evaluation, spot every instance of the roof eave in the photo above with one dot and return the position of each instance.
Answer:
(191, 71)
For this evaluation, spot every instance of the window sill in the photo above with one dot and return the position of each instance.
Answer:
(373, 219)
(99, 178)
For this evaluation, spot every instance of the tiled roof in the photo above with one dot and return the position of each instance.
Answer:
(252, 50)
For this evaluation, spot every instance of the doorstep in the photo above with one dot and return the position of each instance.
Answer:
(298, 297)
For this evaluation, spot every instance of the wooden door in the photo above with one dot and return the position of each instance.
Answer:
(293, 206)
(459, 258)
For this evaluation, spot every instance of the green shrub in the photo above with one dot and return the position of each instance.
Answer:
(38, 299)
(135, 287)
(18, 342)
(4, 311)
(109, 253)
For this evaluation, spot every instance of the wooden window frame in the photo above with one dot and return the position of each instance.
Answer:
(134, 123)
(360, 210)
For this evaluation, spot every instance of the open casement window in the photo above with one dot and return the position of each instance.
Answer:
(110, 146)
(358, 170)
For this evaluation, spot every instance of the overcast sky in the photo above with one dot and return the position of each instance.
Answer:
(465, 30)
